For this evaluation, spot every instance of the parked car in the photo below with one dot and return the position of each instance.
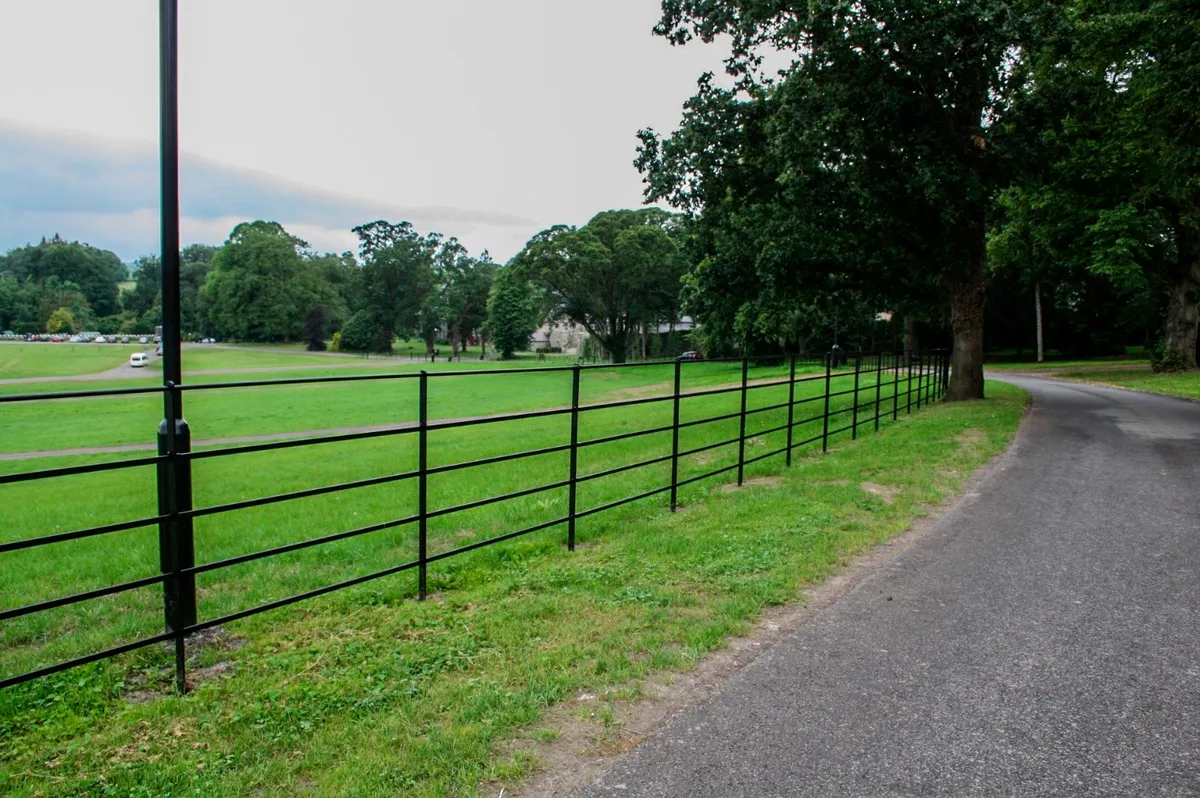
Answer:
(124, 339)
(143, 340)
(139, 360)
(691, 355)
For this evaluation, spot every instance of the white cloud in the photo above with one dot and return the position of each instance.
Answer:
(455, 110)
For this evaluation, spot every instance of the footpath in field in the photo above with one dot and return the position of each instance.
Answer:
(1041, 639)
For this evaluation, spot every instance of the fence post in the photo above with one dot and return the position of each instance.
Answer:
(176, 543)
(572, 489)
(854, 410)
(945, 372)
(742, 427)
(825, 422)
(929, 380)
(895, 386)
(675, 439)
(791, 407)
(878, 385)
(423, 485)
(920, 376)
(908, 386)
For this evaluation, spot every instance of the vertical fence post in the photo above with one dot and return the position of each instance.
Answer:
(895, 386)
(920, 375)
(176, 545)
(825, 421)
(908, 385)
(174, 475)
(791, 407)
(854, 410)
(742, 425)
(945, 372)
(675, 438)
(929, 379)
(423, 486)
(572, 488)
(878, 385)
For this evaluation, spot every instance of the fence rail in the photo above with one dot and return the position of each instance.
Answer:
(905, 383)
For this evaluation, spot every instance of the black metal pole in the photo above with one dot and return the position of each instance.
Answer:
(895, 386)
(908, 387)
(176, 549)
(169, 174)
(572, 488)
(825, 423)
(791, 407)
(742, 427)
(423, 485)
(854, 410)
(878, 385)
(920, 373)
(675, 439)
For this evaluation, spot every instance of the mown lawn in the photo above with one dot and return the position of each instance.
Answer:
(1185, 384)
(67, 503)
(369, 692)
(124, 420)
(20, 360)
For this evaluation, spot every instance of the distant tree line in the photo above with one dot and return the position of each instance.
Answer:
(617, 276)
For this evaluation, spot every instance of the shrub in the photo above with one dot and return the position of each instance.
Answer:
(314, 330)
(1166, 361)
(359, 332)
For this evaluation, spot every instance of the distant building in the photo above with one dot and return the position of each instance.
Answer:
(561, 333)
(567, 336)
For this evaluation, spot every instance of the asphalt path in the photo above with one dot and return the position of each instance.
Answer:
(1042, 639)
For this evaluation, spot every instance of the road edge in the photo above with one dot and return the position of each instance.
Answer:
(587, 757)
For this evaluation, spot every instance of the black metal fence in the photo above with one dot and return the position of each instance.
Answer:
(895, 385)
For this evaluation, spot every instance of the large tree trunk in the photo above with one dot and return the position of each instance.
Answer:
(911, 344)
(1183, 312)
(966, 319)
(616, 343)
(1037, 303)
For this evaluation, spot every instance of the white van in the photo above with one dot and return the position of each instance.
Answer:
(139, 360)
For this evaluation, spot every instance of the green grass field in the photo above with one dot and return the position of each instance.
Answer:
(1185, 384)
(514, 627)
(21, 360)
(200, 358)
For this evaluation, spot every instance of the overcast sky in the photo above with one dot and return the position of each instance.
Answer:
(480, 119)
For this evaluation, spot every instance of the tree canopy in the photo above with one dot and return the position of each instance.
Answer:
(615, 275)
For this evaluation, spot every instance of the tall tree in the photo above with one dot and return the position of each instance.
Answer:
(468, 284)
(614, 275)
(254, 291)
(512, 312)
(96, 272)
(1115, 85)
(891, 108)
(399, 277)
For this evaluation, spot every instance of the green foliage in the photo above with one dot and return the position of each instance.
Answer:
(1164, 360)
(363, 332)
(61, 321)
(94, 272)
(315, 328)
(615, 275)
(512, 312)
(260, 284)
(336, 343)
